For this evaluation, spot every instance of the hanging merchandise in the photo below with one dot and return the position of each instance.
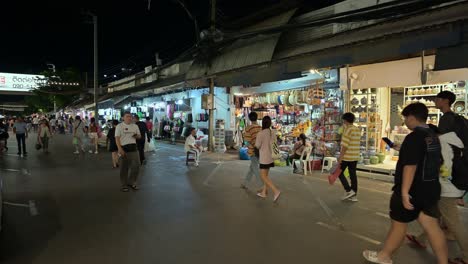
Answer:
(219, 137)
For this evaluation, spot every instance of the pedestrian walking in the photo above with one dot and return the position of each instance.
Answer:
(250, 136)
(93, 135)
(44, 136)
(263, 143)
(417, 189)
(3, 136)
(192, 147)
(112, 145)
(450, 216)
(70, 125)
(126, 135)
(144, 135)
(35, 123)
(349, 156)
(78, 135)
(149, 126)
(21, 131)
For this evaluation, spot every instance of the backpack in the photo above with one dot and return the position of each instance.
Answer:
(275, 153)
(460, 158)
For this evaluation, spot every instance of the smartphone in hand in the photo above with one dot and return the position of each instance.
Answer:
(388, 141)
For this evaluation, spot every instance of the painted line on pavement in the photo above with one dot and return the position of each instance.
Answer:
(213, 172)
(330, 214)
(383, 215)
(16, 204)
(13, 170)
(334, 228)
(360, 187)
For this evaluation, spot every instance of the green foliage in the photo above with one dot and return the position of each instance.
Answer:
(43, 98)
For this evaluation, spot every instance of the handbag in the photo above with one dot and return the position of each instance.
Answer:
(275, 152)
(38, 146)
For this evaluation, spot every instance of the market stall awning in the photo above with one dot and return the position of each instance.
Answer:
(435, 77)
(455, 57)
(242, 52)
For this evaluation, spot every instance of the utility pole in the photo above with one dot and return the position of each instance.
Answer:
(212, 88)
(96, 110)
(55, 103)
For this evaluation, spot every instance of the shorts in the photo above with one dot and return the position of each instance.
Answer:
(400, 214)
(266, 166)
(93, 135)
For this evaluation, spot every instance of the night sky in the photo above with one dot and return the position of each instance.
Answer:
(34, 33)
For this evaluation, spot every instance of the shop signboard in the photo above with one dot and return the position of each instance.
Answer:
(14, 82)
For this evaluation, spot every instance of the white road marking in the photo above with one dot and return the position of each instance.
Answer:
(31, 205)
(330, 213)
(370, 240)
(382, 214)
(213, 172)
(14, 170)
(16, 204)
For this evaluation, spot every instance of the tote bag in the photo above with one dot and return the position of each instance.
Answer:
(275, 153)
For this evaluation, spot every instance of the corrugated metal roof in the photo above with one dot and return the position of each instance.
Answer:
(412, 23)
(243, 52)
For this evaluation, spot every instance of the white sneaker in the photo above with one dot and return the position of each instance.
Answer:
(353, 198)
(76, 152)
(348, 195)
(96, 152)
(371, 256)
(91, 152)
(196, 164)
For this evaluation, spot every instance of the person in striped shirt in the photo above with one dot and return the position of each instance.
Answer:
(350, 148)
(250, 136)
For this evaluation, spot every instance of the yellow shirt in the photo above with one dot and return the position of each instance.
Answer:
(251, 136)
(352, 141)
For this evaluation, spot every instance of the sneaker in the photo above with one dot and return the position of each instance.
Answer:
(372, 256)
(353, 198)
(96, 152)
(90, 152)
(348, 195)
(76, 152)
(196, 164)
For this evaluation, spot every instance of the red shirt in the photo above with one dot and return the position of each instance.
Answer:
(149, 125)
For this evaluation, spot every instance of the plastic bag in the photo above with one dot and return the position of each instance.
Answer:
(149, 147)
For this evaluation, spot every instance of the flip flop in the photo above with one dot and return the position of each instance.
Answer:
(261, 195)
(134, 187)
(277, 197)
(124, 189)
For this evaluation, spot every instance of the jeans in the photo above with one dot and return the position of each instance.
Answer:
(351, 165)
(254, 171)
(131, 161)
(21, 138)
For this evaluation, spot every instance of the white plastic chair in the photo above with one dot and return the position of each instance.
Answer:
(304, 159)
(329, 163)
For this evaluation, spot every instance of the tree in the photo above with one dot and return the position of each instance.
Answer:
(61, 87)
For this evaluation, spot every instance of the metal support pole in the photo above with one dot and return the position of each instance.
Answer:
(211, 119)
(96, 110)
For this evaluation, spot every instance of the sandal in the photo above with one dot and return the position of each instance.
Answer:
(371, 256)
(261, 195)
(134, 187)
(124, 189)
(414, 240)
(457, 261)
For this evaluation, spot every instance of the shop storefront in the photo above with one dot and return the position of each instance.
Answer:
(311, 105)
(378, 93)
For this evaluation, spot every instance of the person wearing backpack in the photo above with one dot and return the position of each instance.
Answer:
(264, 143)
(448, 201)
(452, 122)
(417, 189)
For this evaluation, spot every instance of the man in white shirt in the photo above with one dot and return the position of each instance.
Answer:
(191, 146)
(126, 134)
(35, 123)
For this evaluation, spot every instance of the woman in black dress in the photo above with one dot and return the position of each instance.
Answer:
(112, 145)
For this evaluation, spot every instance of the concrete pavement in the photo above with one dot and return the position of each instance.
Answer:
(67, 208)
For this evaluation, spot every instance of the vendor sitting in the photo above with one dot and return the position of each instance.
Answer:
(191, 146)
(298, 149)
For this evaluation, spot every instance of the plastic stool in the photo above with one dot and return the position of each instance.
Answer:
(329, 163)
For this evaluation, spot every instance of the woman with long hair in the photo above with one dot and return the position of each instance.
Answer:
(298, 149)
(112, 145)
(93, 135)
(263, 143)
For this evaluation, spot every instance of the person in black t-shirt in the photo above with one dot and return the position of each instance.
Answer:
(417, 188)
